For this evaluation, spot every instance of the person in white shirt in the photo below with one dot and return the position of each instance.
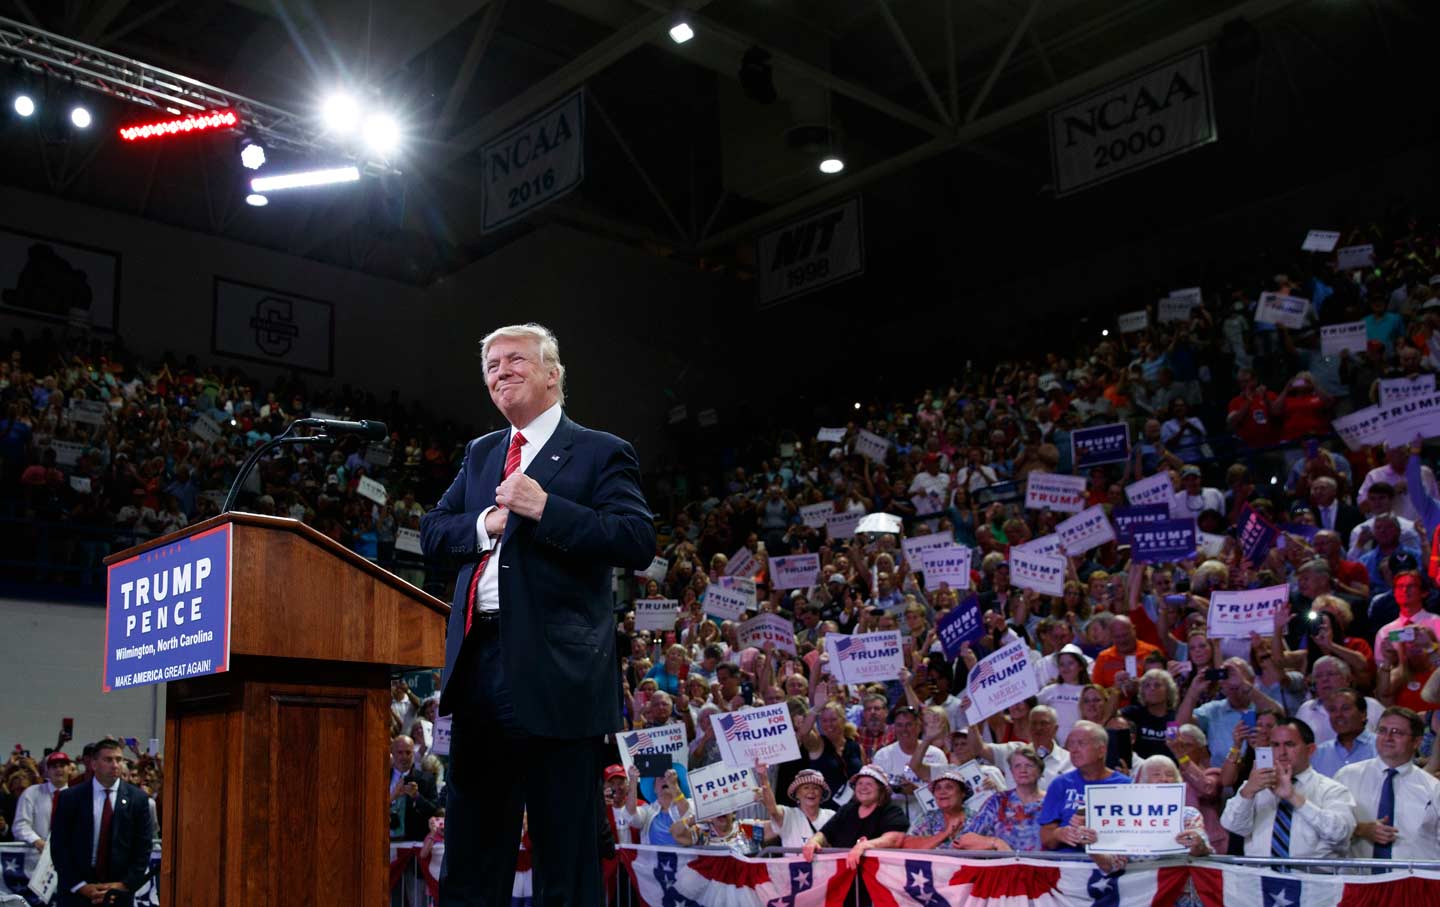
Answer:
(894, 760)
(1057, 636)
(1402, 823)
(1063, 694)
(1043, 725)
(1191, 499)
(1393, 474)
(1292, 810)
(1380, 501)
(37, 805)
(795, 824)
(1331, 675)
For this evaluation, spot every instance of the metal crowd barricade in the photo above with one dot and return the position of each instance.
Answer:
(13, 879)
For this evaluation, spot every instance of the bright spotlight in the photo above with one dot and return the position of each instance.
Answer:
(80, 117)
(252, 156)
(24, 105)
(256, 200)
(381, 134)
(831, 164)
(681, 32)
(304, 179)
(340, 114)
(1104, 332)
(857, 405)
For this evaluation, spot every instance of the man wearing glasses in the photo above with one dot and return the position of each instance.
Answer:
(1397, 804)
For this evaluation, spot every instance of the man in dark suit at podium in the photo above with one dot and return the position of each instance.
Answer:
(101, 835)
(540, 512)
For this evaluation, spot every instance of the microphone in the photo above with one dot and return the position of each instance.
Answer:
(365, 428)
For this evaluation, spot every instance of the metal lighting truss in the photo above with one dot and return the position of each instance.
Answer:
(134, 82)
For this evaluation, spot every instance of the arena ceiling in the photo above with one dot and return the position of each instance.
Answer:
(937, 104)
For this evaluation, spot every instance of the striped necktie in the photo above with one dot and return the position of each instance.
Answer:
(1280, 834)
(512, 463)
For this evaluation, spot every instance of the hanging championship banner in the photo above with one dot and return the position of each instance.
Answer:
(822, 248)
(533, 164)
(1132, 124)
(273, 327)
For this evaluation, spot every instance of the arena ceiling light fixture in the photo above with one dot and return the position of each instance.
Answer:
(680, 31)
(24, 105)
(304, 179)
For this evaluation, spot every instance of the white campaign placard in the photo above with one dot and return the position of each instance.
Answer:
(1193, 295)
(763, 734)
(871, 446)
(1133, 322)
(275, 327)
(440, 745)
(1209, 544)
(408, 540)
(1173, 309)
(741, 563)
(879, 522)
(657, 570)
(1140, 120)
(1403, 422)
(533, 164)
(927, 503)
(798, 571)
(1337, 338)
(949, 564)
(816, 250)
(656, 614)
(379, 454)
(727, 604)
(915, 547)
(1362, 428)
(1348, 258)
(1045, 573)
(719, 789)
(814, 515)
(830, 435)
(1235, 615)
(771, 628)
(668, 738)
(1397, 390)
(89, 412)
(371, 489)
(1157, 489)
(842, 525)
(80, 484)
(67, 453)
(1057, 492)
(1090, 528)
(1044, 544)
(206, 429)
(1320, 241)
(742, 584)
(865, 657)
(1288, 311)
(1135, 818)
(999, 680)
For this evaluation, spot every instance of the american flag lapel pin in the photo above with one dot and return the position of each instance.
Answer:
(555, 457)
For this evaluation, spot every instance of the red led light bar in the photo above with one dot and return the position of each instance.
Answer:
(195, 122)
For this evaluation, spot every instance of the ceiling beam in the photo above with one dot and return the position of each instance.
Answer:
(1003, 61)
(106, 13)
(1038, 103)
(479, 43)
(915, 67)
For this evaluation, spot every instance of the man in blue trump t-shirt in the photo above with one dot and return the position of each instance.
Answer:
(1087, 743)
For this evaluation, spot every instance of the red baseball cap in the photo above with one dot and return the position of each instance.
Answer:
(614, 771)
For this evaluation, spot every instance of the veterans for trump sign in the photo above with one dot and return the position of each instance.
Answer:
(749, 736)
(822, 248)
(865, 657)
(1056, 492)
(999, 680)
(1235, 615)
(798, 571)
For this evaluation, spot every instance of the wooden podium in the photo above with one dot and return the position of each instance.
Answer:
(276, 770)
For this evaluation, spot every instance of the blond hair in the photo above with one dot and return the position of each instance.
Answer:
(543, 339)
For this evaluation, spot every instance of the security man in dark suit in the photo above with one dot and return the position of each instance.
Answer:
(539, 514)
(101, 835)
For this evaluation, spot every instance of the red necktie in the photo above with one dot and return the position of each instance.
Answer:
(54, 805)
(512, 463)
(102, 850)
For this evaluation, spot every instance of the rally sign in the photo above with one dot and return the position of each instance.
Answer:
(1348, 258)
(1085, 530)
(719, 789)
(999, 493)
(813, 515)
(538, 161)
(1235, 615)
(167, 612)
(89, 412)
(959, 625)
(1133, 322)
(1360, 429)
(842, 525)
(1099, 445)
(999, 680)
(1256, 535)
(726, 604)
(1320, 241)
(1208, 544)
(1403, 422)
(1125, 519)
(1155, 490)
(1132, 124)
(871, 446)
(1287, 311)
(408, 540)
(656, 614)
(206, 429)
(949, 565)
(879, 523)
(371, 489)
(762, 734)
(440, 740)
(742, 563)
(830, 435)
(768, 628)
(1135, 818)
(1339, 338)
(1049, 543)
(1057, 492)
(798, 571)
(865, 657)
(1396, 390)
(915, 546)
(657, 570)
(81, 484)
(822, 248)
(1171, 309)
(1162, 541)
(669, 739)
(379, 454)
(742, 584)
(1044, 573)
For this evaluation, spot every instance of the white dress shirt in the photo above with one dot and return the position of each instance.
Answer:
(1313, 713)
(32, 820)
(97, 801)
(1417, 808)
(1319, 829)
(537, 435)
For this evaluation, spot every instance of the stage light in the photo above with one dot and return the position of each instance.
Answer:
(857, 405)
(1104, 332)
(207, 121)
(304, 179)
(80, 117)
(252, 156)
(681, 32)
(340, 114)
(256, 200)
(831, 163)
(381, 134)
(24, 105)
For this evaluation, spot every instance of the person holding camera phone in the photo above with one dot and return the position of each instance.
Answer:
(1218, 717)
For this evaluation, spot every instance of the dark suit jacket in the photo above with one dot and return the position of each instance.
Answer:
(419, 809)
(556, 623)
(131, 837)
(1347, 517)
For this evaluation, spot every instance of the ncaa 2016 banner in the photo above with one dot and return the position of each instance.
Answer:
(897, 878)
(534, 163)
(819, 249)
(274, 327)
(1133, 123)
